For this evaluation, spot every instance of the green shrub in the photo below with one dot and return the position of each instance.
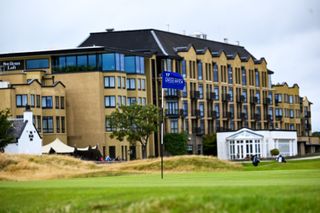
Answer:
(274, 152)
(175, 143)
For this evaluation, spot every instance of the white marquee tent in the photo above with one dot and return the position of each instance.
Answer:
(58, 146)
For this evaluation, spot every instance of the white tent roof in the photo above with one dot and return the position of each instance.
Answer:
(58, 146)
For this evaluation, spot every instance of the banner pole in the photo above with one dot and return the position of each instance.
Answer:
(162, 106)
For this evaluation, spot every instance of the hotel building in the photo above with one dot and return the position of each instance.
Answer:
(71, 90)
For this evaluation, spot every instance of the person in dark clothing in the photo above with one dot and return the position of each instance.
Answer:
(255, 160)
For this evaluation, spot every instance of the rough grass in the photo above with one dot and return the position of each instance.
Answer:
(30, 167)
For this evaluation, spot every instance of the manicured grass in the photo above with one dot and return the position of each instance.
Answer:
(257, 190)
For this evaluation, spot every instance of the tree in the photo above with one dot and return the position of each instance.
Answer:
(316, 134)
(5, 126)
(176, 143)
(209, 144)
(135, 122)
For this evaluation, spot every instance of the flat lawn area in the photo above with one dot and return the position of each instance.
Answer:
(252, 190)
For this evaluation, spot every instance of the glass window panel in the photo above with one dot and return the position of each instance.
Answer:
(82, 60)
(37, 64)
(129, 64)
(108, 62)
(71, 61)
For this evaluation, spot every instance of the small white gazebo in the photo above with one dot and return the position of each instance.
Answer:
(58, 147)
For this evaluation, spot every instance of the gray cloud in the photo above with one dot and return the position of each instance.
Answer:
(285, 32)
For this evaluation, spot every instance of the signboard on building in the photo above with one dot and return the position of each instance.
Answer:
(11, 65)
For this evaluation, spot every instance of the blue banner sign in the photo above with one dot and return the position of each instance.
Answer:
(172, 80)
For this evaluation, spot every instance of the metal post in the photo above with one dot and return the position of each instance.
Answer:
(161, 146)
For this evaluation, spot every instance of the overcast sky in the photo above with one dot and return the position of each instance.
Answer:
(285, 32)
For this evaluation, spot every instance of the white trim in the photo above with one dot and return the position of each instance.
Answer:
(158, 42)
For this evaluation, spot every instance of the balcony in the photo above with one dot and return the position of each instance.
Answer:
(269, 117)
(172, 113)
(307, 114)
(226, 97)
(183, 113)
(240, 99)
(210, 96)
(213, 114)
(228, 115)
(194, 94)
(172, 94)
(266, 101)
(279, 117)
(253, 100)
(256, 116)
(243, 116)
(198, 131)
(196, 113)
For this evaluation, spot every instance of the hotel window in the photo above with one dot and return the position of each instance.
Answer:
(244, 75)
(144, 101)
(217, 109)
(37, 64)
(244, 94)
(82, 62)
(112, 62)
(185, 108)
(216, 91)
(230, 92)
(108, 126)
(131, 100)
(230, 76)
(139, 101)
(131, 83)
(47, 124)
(21, 100)
(38, 101)
(63, 124)
(134, 64)
(62, 102)
(200, 86)
(172, 107)
(174, 126)
(39, 123)
(257, 78)
(92, 62)
(46, 102)
(290, 99)
(57, 98)
(215, 73)
(200, 70)
(71, 61)
(58, 124)
(109, 101)
(184, 68)
(139, 84)
(258, 96)
(109, 82)
(119, 82)
(123, 80)
(143, 84)
(270, 97)
(32, 101)
(184, 91)
(291, 113)
(278, 98)
(201, 108)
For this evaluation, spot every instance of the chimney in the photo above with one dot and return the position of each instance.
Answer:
(110, 30)
(225, 40)
(28, 115)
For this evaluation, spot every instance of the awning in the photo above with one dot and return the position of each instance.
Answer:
(58, 146)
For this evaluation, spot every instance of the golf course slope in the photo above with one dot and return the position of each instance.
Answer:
(30, 167)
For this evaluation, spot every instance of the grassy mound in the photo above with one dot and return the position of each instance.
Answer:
(187, 163)
(31, 167)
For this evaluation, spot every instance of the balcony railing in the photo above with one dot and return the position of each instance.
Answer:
(279, 117)
(226, 97)
(172, 113)
(198, 131)
(253, 100)
(266, 101)
(172, 94)
(240, 99)
(194, 94)
(211, 96)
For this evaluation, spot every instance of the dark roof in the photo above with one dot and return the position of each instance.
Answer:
(17, 129)
(145, 41)
(53, 52)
